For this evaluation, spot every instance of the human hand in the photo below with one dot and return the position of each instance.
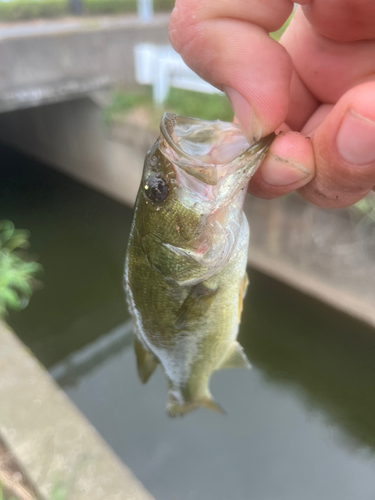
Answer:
(317, 86)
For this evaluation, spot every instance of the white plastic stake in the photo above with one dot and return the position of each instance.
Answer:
(145, 10)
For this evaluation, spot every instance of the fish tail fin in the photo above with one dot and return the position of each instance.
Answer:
(146, 361)
(179, 409)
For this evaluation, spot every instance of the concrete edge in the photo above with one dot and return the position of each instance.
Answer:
(50, 439)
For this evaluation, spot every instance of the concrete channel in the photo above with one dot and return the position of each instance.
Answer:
(47, 435)
(50, 439)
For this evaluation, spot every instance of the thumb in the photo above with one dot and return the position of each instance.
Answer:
(227, 44)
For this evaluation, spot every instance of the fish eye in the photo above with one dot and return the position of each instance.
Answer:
(156, 188)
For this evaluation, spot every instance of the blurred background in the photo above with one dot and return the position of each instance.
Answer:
(83, 86)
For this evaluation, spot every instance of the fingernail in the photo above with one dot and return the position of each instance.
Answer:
(278, 171)
(245, 115)
(356, 139)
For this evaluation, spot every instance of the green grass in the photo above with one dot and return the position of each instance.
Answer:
(205, 106)
(109, 6)
(181, 102)
(121, 6)
(122, 102)
(17, 10)
(276, 35)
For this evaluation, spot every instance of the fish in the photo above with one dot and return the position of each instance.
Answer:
(185, 271)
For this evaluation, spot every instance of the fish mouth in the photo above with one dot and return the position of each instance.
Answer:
(210, 150)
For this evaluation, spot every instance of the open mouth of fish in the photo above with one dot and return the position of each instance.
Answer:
(210, 151)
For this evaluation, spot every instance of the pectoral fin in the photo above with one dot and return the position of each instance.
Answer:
(235, 358)
(146, 362)
(194, 306)
(174, 264)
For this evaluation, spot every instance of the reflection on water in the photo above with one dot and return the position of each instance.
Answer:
(300, 425)
(328, 357)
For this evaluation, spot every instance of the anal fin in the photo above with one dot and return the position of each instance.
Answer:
(235, 358)
(146, 361)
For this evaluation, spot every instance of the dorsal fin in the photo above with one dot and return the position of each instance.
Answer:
(146, 361)
(235, 358)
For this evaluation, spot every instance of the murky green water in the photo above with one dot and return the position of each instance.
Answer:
(300, 425)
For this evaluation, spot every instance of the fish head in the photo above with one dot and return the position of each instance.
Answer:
(212, 160)
(193, 187)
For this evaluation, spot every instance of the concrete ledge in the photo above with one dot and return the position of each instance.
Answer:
(49, 437)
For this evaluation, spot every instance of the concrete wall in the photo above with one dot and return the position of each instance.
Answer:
(72, 137)
(51, 62)
(69, 135)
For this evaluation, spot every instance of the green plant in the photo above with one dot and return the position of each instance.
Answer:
(17, 275)
(204, 106)
(181, 102)
(121, 102)
(16, 10)
(276, 35)
(109, 6)
(122, 6)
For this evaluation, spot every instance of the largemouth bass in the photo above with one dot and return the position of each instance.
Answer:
(185, 272)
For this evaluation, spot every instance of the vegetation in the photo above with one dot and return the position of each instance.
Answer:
(121, 6)
(182, 102)
(206, 106)
(109, 6)
(16, 274)
(276, 35)
(17, 10)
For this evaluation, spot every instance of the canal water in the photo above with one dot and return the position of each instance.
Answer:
(299, 426)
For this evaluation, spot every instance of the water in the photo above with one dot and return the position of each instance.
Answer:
(300, 424)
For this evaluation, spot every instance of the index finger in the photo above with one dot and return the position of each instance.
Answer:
(226, 42)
